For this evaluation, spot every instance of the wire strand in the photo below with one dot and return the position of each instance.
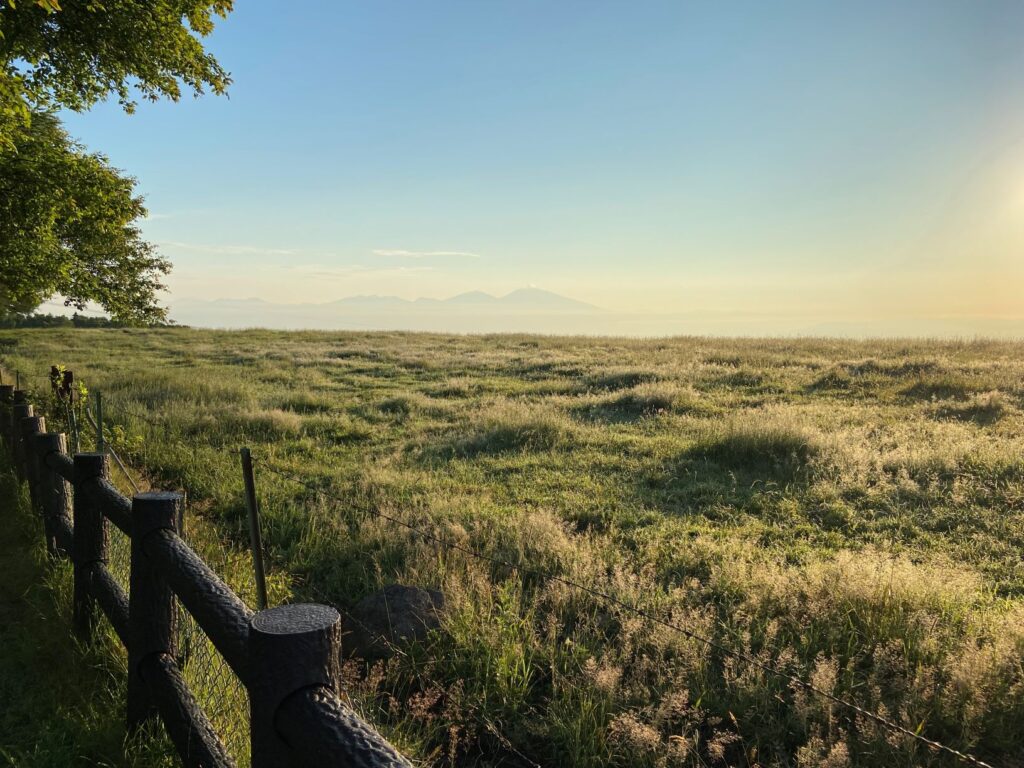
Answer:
(771, 669)
(110, 449)
(766, 667)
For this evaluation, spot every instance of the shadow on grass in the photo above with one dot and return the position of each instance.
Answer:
(642, 401)
(871, 375)
(618, 379)
(546, 369)
(982, 409)
(731, 470)
(63, 702)
(944, 388)
(536, 434)
(983, 414)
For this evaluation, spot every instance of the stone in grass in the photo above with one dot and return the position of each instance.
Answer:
(389, 617)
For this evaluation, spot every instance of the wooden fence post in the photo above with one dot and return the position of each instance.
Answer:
(30, 427)
(21, 410)
(151, 614)
(6, 402)
(291, 647)
(90, 540)
(55, 497)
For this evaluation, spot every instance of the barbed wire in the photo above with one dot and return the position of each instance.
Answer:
(638, 611)
(547, 575)
(394, 648)
(110, 449)
(417, 668)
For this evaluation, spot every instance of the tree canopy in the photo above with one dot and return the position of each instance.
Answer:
(68, 220)
(67, 226)
(74, 54)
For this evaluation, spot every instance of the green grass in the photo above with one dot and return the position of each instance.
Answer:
(63, 702)
(74, 714)
(850, 511)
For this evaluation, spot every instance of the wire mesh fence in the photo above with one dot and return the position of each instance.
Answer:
(214, 684)
(119, 556)
(221, 694)
(210, 681)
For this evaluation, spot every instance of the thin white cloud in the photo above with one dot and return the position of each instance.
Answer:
(227, 250)
(320, 271)
(424, 254)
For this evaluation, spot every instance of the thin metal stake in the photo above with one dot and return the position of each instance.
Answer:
(255, 537)
(100, 447)
(68, 382)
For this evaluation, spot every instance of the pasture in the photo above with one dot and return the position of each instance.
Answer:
(849, 512)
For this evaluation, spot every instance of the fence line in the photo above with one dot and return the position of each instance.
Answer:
(287, 657)
(189, 623)
(117, 513)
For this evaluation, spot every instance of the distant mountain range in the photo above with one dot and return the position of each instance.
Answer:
(532, 310)
(526, 309)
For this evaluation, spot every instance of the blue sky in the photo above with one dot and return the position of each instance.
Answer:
(833, 160)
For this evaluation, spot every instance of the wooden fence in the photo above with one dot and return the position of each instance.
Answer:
(286, 657)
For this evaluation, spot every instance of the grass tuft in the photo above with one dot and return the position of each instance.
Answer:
(304, 402)
(945, 387)
(984, 409)
(643, 400)
(619, 379)
(511, 428)
(758, 442)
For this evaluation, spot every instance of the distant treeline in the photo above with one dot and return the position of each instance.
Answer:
(39, 320)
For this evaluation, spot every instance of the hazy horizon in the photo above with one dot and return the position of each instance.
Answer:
(461, 315)
(755, 167)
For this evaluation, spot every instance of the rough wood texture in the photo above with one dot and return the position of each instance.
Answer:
(62, 465)
(64, 536)
(322, 732)
(115, 507)
(291, 647)
(112, 599)
(218, 611)
(55, 496)
(90, 541)
(30, 427)
(19, 411)
(190, 731)
(151, 614)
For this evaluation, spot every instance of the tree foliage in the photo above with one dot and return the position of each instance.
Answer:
(67, 218)
(74, 54)
(36, 320)
(67, 226)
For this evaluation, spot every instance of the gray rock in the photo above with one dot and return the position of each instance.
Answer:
(389, 617)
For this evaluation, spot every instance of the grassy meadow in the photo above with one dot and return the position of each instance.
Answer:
(852, 512)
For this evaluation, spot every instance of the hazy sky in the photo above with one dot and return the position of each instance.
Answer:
(834, 160)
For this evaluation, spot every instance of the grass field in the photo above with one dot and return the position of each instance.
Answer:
(852, 512)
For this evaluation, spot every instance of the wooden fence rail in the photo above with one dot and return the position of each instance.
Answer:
(286, 657)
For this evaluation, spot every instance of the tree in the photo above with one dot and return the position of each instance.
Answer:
(67, 226)
(67, 218)
(75, 55)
